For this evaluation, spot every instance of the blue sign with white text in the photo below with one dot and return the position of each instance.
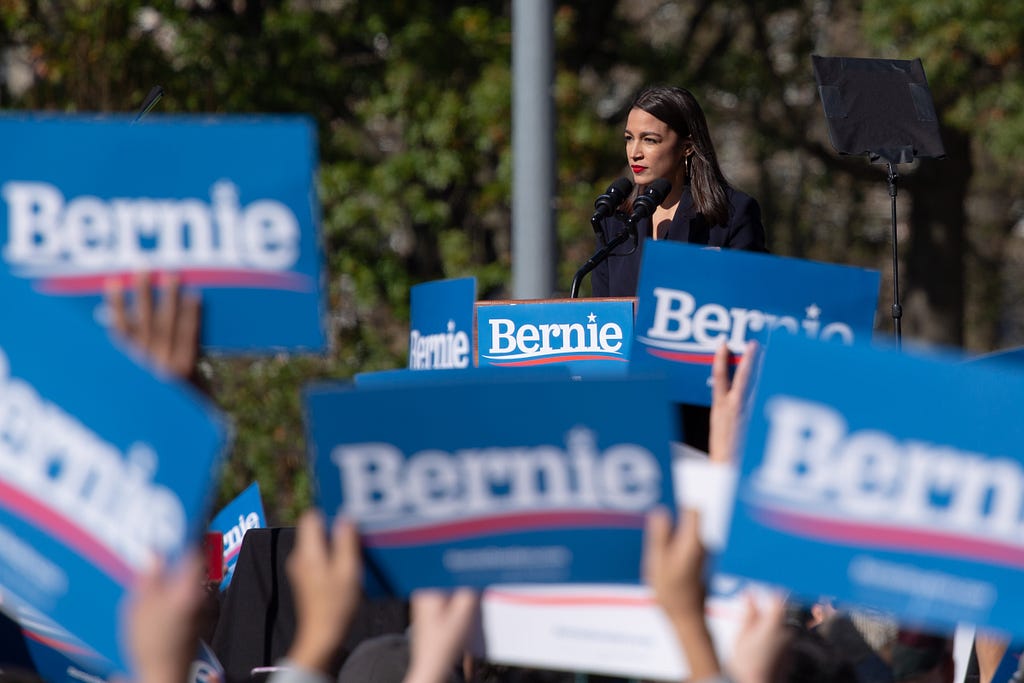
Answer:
(228, 204)
(901, 476)
(590, 337)
(103, 466)
(500, 481)
(241, 514)
(692, 299)
(441, 324)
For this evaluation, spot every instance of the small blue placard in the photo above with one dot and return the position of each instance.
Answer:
(441, 324)
(241, 514)
(499, 481)
(31, 642)
(897, 483)
(227, 203)
(692, 299)
(103, 466)
(590, 337)
(206, 668)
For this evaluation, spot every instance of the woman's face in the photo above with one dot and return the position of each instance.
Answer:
(653, 150)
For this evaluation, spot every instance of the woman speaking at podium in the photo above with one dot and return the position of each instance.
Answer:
(667, 137)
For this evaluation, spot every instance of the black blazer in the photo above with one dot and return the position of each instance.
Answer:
(618, 275)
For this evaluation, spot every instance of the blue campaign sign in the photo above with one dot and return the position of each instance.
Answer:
(241, 514)
(405, 376)
(591, 337)
(441, 324)
(227, 203)
(31, 642)
(897, 482)
(692, 299)
(206, 668)
(498, 481)
(1001, 357)
(103, 466)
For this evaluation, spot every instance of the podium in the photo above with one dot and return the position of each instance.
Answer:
(450, 330)
(592, 337)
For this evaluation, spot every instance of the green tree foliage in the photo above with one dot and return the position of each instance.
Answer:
(972, 52)
(412, 103)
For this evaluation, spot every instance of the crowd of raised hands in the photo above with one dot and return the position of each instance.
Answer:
(325, 572)
(775, 641)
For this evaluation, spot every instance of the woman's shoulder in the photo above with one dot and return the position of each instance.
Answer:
(746, 230)
(738, 197)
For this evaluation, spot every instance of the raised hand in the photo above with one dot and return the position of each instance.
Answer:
(326, 580)
(165, 329)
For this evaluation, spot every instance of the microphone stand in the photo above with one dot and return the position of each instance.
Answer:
(155, 93)
(595, 223)
(897, 310)
(599, 256)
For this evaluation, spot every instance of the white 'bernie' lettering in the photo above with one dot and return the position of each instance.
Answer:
(47, 235)
(378, 483)
(445, 351)
(679, 324)
(233, 536)
(51, 457)
(532, 341)
(811, 457)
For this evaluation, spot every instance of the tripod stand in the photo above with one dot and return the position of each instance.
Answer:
(881, 108)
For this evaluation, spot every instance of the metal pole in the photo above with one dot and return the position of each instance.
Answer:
(533, 150)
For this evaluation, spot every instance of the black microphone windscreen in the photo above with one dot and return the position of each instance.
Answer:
(653, 195)
(612, 198)
(658, 190)
(622, 186)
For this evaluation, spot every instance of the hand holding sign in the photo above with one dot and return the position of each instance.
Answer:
(727, 401)
(673, 563)
(165, 330)
(760, 642)
(440, 626)
(161, 621)
(325, 579)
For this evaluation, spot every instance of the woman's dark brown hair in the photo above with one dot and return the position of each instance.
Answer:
(679, 110)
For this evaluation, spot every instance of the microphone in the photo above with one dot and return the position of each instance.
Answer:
(644, 205)
(155, 93)
(612, 198)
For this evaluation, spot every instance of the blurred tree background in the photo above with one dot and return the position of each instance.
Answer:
(412, 99)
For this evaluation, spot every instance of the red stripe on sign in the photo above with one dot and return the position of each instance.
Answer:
(556, 359)
(489, 526)
(66, 531)
(691, 358)
(226, 278)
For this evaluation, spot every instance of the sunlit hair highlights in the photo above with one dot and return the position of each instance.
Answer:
(679, 109)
